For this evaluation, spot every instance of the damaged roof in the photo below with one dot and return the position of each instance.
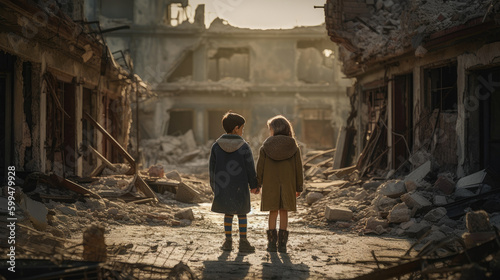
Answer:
(375, 30)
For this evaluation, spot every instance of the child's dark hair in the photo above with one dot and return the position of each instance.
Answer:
(231, 120)
(280, 126)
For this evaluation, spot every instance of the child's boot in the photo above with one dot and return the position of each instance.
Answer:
(272, 238)
(245, 246)
(282, 240)
(228, 244)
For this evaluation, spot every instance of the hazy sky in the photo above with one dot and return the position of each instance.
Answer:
(263, 14)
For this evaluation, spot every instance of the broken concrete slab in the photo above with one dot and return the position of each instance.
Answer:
(186, 214)
(392, 188)
(472, 183)
(435, 214)
(415, 200)
(189, 140)
(67, 210)
(313, 197)
(420, 173)
(186, 193)
(399, 214)
(371, 185)
(189, 156)
(411, 186)
(408, 224)
(336, 213)
(361, 196)
(383, 203)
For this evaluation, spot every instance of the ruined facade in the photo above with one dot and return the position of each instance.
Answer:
(54, 71)
(427, 80)
(200, 73)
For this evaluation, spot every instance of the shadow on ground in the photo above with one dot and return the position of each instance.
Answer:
(281, 267)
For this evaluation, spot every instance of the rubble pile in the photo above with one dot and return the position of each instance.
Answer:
(393, 26)
(174, 150)
(424, 204)
(62, 212)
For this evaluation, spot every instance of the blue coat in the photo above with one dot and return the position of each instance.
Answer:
(232, 171)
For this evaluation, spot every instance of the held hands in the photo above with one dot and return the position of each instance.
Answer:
(297, 194)
(255, 191)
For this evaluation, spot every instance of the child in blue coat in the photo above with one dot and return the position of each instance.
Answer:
(232, 170)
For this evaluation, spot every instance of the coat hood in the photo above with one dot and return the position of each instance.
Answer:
(280, 147)
(230, 143)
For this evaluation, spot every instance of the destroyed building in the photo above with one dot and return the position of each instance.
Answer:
(200, 73)
(56, 74)
(428, 82)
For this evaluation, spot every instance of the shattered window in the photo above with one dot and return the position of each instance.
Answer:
(441, 88)
(229, 63)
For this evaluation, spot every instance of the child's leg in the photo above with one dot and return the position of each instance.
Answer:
(242, 222)
(244, 244)
(283, 219)
(273, 216)
(228, 225)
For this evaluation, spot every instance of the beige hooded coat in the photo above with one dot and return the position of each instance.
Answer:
(279, 173)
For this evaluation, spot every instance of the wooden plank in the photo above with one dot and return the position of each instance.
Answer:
(115, 143)
(72, 186)
(97, 171)
(103, 159)
(144, 188)
(321, 153)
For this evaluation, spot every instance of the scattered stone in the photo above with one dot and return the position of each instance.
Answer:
(418, 229)
(66, 210)
(186, 214)
(361, 196)
(392, 188)
(371, 185)
(407, 225)
(471, 182)
(420, 173)
(435, 214)
(113, 211)
(445, 185)
(440, 200)
(384, 203)
(335, 213)
(477, 221)
(373, 222)
(313, 197)
(388, 4)
(174, 175)
(370, 2)
(156, 171)
(415, 200)
(399, 214)
(411, 186)
(379, 4)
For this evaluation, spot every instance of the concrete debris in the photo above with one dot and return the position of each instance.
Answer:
(335, 213)
(472, 183)
(174, 175)
(435, 214)
(392, 188)
(399, 214)
(186, 193)
(440, 200)
(372, 223)
(477, 221)
(445, 184)
(186, 214)
(156, 171)
(313, 197)
(415, 200)
(419, 174)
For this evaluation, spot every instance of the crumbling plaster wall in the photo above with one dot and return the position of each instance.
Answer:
(450, 140)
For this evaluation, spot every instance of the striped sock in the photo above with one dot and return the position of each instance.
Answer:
(228, 225)
(242, 221)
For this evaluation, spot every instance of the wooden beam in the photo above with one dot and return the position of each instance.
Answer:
(104, 160)
(115, 143)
